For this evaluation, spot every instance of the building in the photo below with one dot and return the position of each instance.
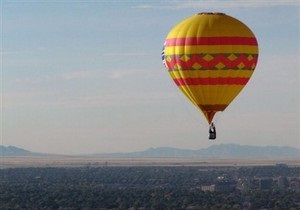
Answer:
(208, 188)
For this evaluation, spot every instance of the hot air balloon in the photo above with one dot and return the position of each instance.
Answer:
(210, 57)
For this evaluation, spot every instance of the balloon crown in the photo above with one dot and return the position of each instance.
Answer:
(211, 13)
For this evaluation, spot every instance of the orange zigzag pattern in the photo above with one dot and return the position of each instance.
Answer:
(216, 62)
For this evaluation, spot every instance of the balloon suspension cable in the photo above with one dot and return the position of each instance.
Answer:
(217, 116)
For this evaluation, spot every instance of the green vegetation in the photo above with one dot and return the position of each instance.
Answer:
(150, 188)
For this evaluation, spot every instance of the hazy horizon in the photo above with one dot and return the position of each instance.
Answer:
(86, 77)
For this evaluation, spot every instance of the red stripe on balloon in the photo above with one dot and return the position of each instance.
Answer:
(211, 41)
(211, 81)
(228, 64)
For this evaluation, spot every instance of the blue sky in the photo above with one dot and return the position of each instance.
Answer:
(84, 77)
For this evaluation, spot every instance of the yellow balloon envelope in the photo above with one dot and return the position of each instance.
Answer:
(210, 57)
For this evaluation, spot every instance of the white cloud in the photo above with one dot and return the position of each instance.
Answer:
(52, 78)
(144, 6)
(3, 53)
(62, 99)
(237, 3)
(196, 4)
(124, 54)
(78, 75)
(118, 74)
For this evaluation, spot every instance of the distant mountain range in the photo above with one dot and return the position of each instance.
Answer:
(215, 151)
(15, 151)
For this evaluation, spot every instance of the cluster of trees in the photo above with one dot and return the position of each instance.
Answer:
(138, 188)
